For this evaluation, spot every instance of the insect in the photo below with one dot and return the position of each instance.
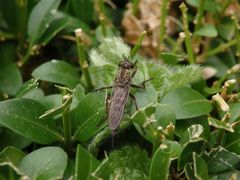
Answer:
(115, 104)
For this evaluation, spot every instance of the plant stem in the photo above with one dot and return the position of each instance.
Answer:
(66, 122)
(135, 4)
(82, 58)
(220, 48)
(187, 39)
(137, 45)
(67, 127)
(162, 30)
(102, 18)
(22, 19)
(25, 59)
(199, 16)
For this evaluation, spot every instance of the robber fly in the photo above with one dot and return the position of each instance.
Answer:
(115, 104)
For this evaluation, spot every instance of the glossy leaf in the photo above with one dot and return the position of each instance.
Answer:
(220, 161)
(164, 115)
(11, 78)
(9, 138)
(207, 31)
(196, 145)
(220, 124)
(187, 103)
(21, 116)
(9, 158)
(193, 132)
(51, 101)
(169, 58)
(130, 161)
(90, 127)
(87, 107)
(209, 5)
(143, 121)
(200, 167)
(161, 160)
(58, 23)
(44, 163)
(26, 87)
(77, 8)
(39, 19)
(226, 28)
(85, 163)
(57, 72)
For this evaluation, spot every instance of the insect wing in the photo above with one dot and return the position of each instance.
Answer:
(117, 106)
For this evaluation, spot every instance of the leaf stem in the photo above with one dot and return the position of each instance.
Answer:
(66, 123)
(162, 30)
(82, 58)
(22, 4)
(220, 48)
(102, 18)
(199, 16)
(187, 33)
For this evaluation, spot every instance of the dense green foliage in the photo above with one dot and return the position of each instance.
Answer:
(54, 53)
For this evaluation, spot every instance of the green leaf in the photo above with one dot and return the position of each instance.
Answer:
(11, 155)
(88, 115)
(34, 94)
(9, 158)
(11, 78)
(26, 87)
(90, 127)
(187, 103)
(143, 121)
(145, 97)
(52, 101)
(57, 24)
(220, 161)
(183, 126)
(210, 6)
(39, 20)
(193, 132)
(12, 19)
(164, 115)
(78, 95)
(111, 51)
(233, 139)
(85, 163)
(129, 162)
(21, 116)
(57, 72)
(226, 28)
(207, 31)
(161, 160)
(77, 8)
(235, 112)
(196, 145)
(88, 107)
(9, 138)
(169, 58)
(44, 163)
(200, 167)
(219, 124)
(7, 51)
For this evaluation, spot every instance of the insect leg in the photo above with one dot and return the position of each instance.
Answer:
(102, 88)
(142, 86)
(134, 72)
(134, 100)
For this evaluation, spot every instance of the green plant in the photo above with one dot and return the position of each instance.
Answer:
(50, 126)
